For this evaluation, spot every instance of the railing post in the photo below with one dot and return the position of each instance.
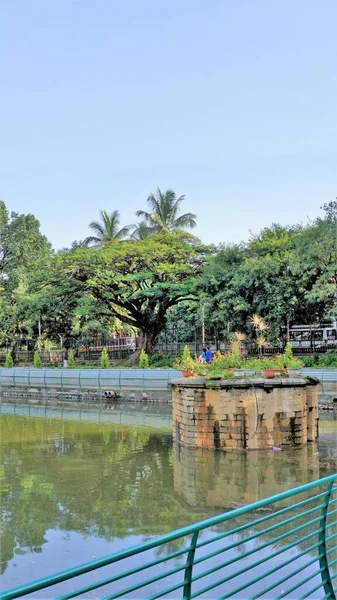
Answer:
(189, 568)
(323, 561)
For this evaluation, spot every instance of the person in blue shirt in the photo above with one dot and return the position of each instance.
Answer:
(209, 355)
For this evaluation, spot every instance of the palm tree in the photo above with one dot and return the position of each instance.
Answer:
(107, 230)
(142, 231)
(164, 210)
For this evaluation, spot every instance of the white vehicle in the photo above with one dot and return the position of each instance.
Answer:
(316, 335)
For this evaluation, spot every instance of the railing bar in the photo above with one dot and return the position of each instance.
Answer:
(334, 575)
(331, 537)
(321, 583)
(262, 520)
(331, 524)
(295, 587)
(242, 587)
(308, 579)
(280, 581)
(206, 589)
(137, 586)
(168, 537)
(250, 552)
(331, 512)
(163, 592)
(254, 536)
(125, 574)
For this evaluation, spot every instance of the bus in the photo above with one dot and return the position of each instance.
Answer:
(318, 336)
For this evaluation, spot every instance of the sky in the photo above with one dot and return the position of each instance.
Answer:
(230, 102)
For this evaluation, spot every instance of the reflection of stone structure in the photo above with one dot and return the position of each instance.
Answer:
(244, 414)
(218, 480)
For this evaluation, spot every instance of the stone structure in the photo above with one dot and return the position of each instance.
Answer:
(245, 414)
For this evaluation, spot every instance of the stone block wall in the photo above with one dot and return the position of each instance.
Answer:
(240, 415)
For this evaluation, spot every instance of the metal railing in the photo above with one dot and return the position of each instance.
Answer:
(281, 547)
(89, 379)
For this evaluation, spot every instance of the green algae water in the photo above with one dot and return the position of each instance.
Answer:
(83, 486)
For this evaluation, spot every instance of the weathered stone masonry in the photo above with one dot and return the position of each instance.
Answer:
(245, 414)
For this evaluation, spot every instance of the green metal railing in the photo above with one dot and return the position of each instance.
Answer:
(281, 547)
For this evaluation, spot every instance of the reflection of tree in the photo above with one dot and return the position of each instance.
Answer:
(103, 480)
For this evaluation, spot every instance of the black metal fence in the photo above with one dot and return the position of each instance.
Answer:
(93, 355)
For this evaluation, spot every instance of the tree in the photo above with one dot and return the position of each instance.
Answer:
(164, 211)
(314, 264)
(105, 359)
(23, 250)
(71, 359)
(137, 283)
(143, 360)
(107, 230)
(142, 231)
(37, 360)
(9, 363)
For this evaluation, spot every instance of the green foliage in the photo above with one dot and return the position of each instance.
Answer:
(288, 352)
(156, 283)
(328, 360)
(105, 363)
(107, 229)
(164, 213)
(136, 282)
(288, 359)
(143, 360)
(71, 359)
(9, 362)
(160, 361)
(285, 274)
(185, 362)
(37, 360)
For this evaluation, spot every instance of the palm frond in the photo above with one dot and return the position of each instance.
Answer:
(122, 233)
(97, 227)
(186, 220)
(92, 240)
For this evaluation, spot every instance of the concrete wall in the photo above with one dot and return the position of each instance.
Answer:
(57, 396)
(241, 415)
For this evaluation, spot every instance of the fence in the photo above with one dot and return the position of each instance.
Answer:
(249, 348)
(89, 379)
(288, 552)
(120, 352)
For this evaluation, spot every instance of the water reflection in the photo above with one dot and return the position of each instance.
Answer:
(72, 490)
(225, 480)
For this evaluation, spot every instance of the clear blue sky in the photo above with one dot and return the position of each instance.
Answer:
(231, 102)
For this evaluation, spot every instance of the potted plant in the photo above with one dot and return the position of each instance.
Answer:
(272, 368)
(185, 363)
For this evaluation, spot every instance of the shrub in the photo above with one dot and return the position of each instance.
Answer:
(185, 362)
(9, 363)
(37, 360)
(105, 359)
(143, 360)
(288, 358)
(288, 351)
(161, 362)
(309, 361)
(329, 360)
(71, 360)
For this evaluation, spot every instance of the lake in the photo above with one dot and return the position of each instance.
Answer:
(81, 485)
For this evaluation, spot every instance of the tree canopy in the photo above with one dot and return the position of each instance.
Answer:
(137, 283)
(160, 279)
